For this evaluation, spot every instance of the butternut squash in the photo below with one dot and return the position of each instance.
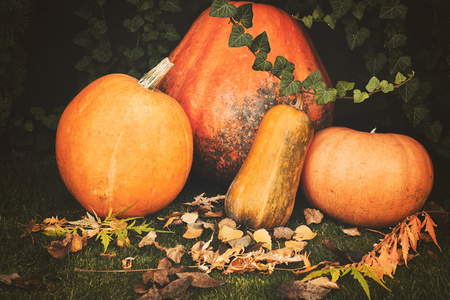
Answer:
(262, 195)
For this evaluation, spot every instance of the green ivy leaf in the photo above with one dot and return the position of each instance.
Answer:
(221, 9)
(170, 5)
(244, 15)
(260, 43)
(151, 35)
(144, 5)
(340, 7)
(356, 36)
(102, 52)
(416, 113)
(282, 66)
(324, 95)
(399, 78)
(375, 64)
(171, 34)
(261, 63)
(373, 84)
(238, 37)
(408, 90)
(134, 24)
(308, 21)
(289, 86)
(312, 80)
(84, 64)
(386, 87)
(391, 9)
(359, 96)
(318, 13)
(358, 10)
(434, 131)
(398, 62)
(134, 54)
(395, 40)
(343, 86)
(330, 21)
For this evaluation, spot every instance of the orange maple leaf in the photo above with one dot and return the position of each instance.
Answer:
(429, 227)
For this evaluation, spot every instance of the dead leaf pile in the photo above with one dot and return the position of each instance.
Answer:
(172, 282)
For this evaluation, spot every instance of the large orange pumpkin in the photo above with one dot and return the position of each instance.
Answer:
(366, 179)
(119, 143)
(224, 98)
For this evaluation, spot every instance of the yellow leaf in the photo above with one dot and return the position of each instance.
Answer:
(227, 233)
(303, 233)
(77, 243)
(193, 231)
(262, 235)
(324, 282)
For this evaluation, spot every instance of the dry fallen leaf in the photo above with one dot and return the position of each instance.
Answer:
(262, 235)
(227, 222)
(297, 246)
(175, 253)
(313, 215)
(148, 240)
(77, 243)
(212, 214)
(29, 229)
(301, 290)
(127, 263)
(324, 282)
(189, 217)
(194, 230)
(60, 249)
(351, 231)
(201, 280)
(227, 233)
(282, 233)
(175, 220)
(122, 243)
(15, 279)
(303, 233)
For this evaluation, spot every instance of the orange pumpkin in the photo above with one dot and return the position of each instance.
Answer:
(224, 98)
(366, 179)
(119, 143)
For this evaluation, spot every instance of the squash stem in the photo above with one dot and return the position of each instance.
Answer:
(299, 101)
(151, 79)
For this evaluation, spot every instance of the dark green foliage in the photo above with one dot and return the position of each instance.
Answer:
(13, 22)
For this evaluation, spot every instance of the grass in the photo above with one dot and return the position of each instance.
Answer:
(30, 188)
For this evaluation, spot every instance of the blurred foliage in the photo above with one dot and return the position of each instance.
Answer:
(13, 22)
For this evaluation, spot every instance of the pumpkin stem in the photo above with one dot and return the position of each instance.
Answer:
(373, 130)
(299, 101)
(151, 79)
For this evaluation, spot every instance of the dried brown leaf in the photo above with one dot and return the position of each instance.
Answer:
(77, 243)
(227, 222)
(175, 253)
(297, 246)
(324, 282)
(15, 279)
(148, 240)
(202, 280)
(351, 231)
(60, 249)
(176, 289)
(282, 233)
(301, 290)
(211, 214)
(29, 229)
(313, 215)
(189, 218)
(127, 263)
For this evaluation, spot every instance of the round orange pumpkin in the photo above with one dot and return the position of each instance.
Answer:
(120, 144)
(366, 179)
(224, 98)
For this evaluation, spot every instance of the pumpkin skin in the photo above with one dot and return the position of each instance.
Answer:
(366, 179)
(118, 142)
(224, 98)
(262, 195)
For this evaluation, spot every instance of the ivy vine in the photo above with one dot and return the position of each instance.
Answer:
(149, 37)
(386, 58)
